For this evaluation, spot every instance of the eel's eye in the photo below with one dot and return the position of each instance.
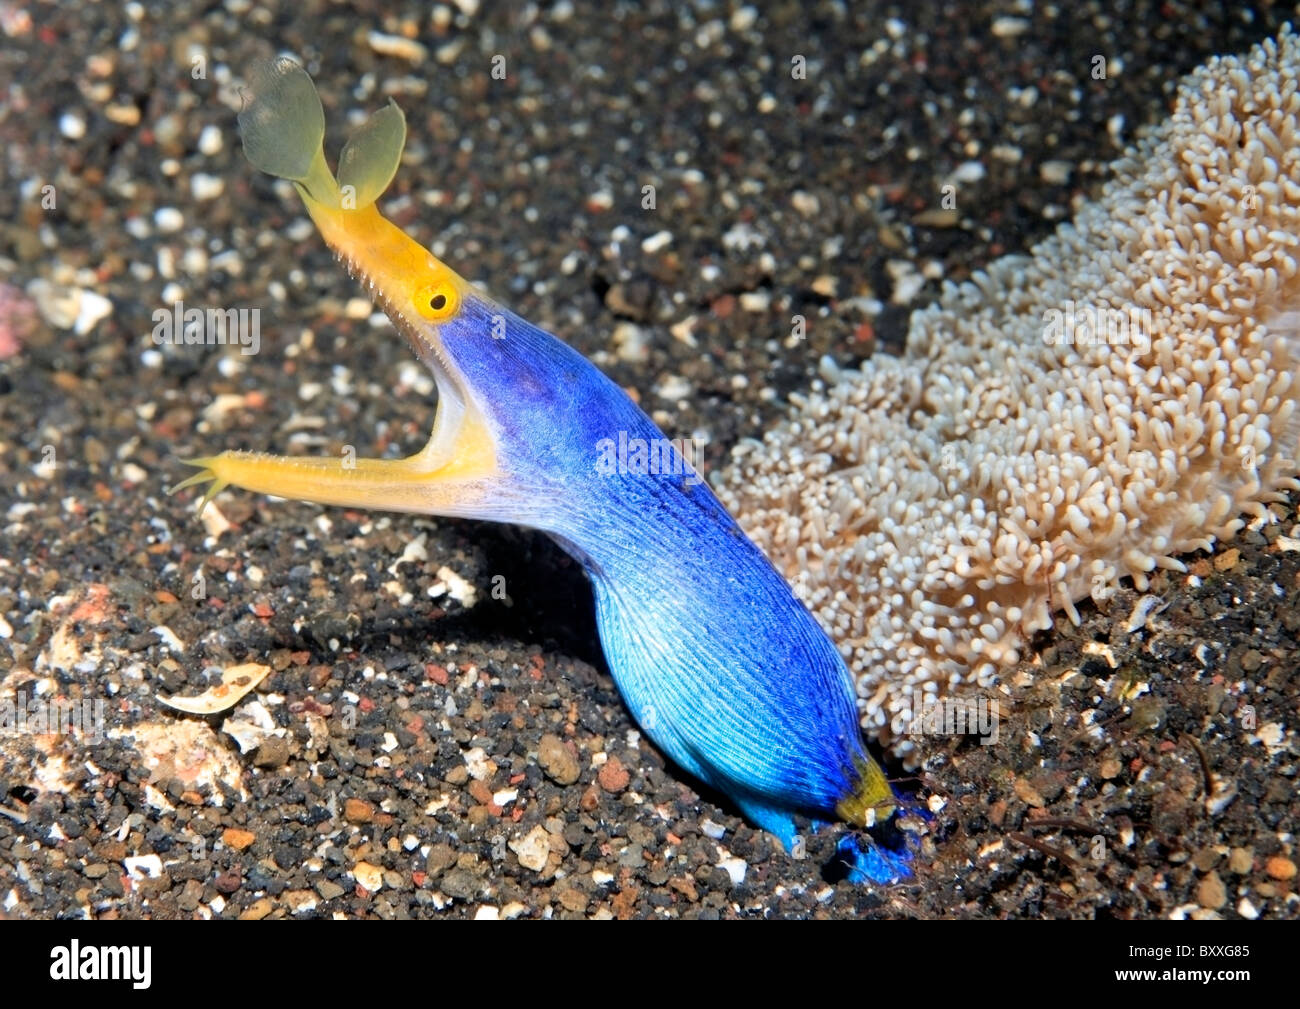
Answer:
(437, 301)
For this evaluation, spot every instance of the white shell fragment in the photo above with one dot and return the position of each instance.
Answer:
(1147, 606)
(236, 681)
(250, 726)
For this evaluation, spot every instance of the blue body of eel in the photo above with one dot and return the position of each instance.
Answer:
(722, 666)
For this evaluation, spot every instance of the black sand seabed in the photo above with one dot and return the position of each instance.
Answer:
(815, 196)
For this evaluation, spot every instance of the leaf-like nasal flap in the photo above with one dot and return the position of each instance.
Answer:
(371, 155)
(282, 122)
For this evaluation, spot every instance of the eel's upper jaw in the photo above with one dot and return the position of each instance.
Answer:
(457, 417)
(421, 338)
(385, 260)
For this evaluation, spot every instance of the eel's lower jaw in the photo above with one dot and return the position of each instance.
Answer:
(451, 475)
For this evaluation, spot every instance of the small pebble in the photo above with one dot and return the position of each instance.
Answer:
(143, 866)
(1212, 893)
(613, 776)
(211, 140)
(1280, 867)
(371, 877)
(397, 45)
(72, 126)
(673, 388)
(1227, 560)
(168, 220)
(805, 203)
(329, 890)
(735, 868)
(1055, 173)
(657, 242)
(533, 849)
(556, 761)
(234, 837)
(206, 187)
(632, 343)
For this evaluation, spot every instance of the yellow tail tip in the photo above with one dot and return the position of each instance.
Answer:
(871, 801)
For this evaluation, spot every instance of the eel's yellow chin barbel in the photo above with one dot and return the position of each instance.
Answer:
(283, 130)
